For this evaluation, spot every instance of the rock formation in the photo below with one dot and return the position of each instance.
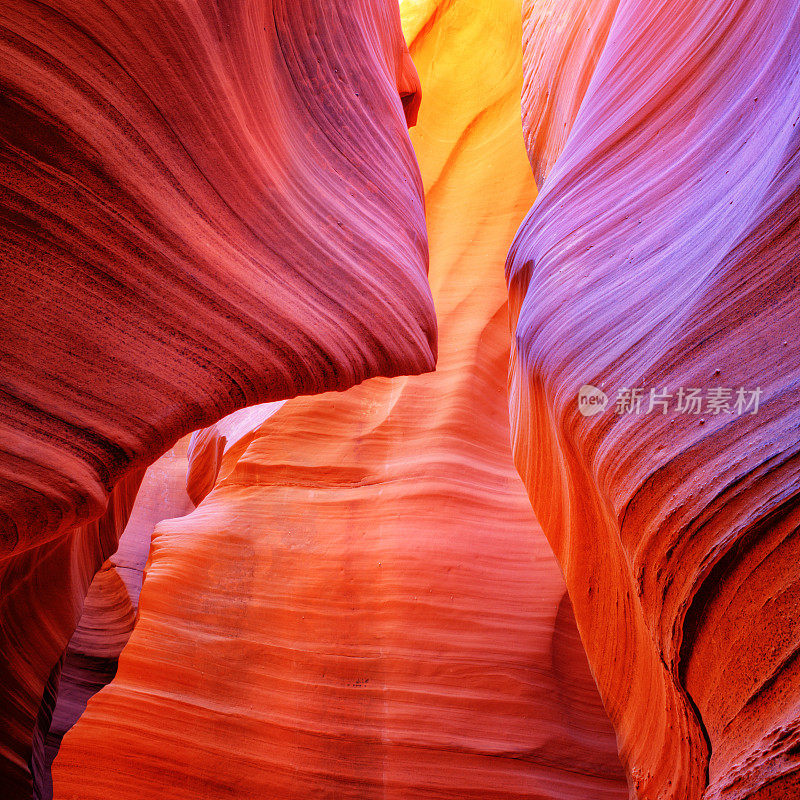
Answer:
(41, 598)
(662, 254)
(362, 605)
(109, 608)
(205, 205)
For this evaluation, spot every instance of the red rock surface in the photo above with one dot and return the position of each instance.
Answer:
(362, 605)
(42, 592)
(110, 606)
(205, 205)
(222, 212)
(663, 252)
(229, 437)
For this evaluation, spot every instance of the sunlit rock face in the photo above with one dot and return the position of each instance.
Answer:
(362, 605)
(662, 253)
(205, 205)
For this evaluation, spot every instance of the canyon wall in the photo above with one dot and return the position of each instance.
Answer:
(363, 605)
(109, 608)
(659, 269)
(205, 205)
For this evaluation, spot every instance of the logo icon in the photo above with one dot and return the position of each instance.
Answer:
(591, 400)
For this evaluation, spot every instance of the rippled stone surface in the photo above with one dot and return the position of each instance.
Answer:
(109, 609)
(205, 205)
(662, 253)
(363, 605)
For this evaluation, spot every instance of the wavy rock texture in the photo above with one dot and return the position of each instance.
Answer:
(42, 591)
(223, 213)
(662, 252)
(362, 605)
(205, 205)
(209, 446)
(109, 610)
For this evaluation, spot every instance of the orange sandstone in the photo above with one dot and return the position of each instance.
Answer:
(362, 605)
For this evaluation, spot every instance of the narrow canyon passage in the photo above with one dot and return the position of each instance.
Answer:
(363, 604)
(304, 495)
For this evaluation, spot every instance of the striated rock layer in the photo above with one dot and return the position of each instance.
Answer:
(109, 609)
(663, 253)
(222, 212)
(205, 205)
(362, 605)
(42, 592)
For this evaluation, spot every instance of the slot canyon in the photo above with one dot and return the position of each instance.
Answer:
(398, 401)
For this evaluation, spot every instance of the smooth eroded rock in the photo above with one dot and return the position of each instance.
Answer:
(362, 605)
(205, 205)
(663, 254)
